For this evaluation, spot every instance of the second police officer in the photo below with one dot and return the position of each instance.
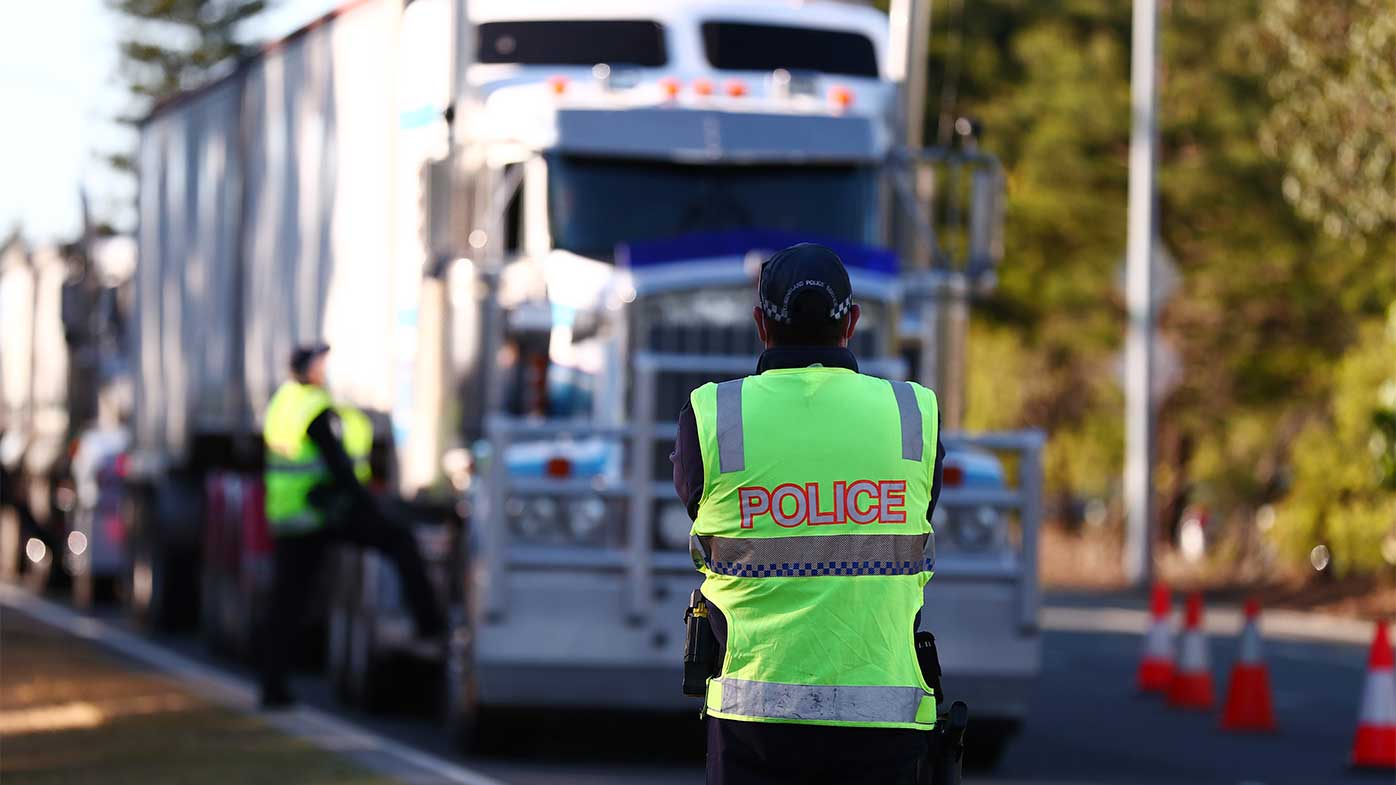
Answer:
(317, 464)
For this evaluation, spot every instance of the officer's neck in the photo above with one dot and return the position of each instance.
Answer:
(776, 357)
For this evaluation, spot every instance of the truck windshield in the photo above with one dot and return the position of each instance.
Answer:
(596, 204)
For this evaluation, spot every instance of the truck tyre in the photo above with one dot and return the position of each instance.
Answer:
(337, 649)
(245, 617)
(211, 611)
(344, 582)
(366, 682)
(461, 691)
(145, 586)
(986, 741)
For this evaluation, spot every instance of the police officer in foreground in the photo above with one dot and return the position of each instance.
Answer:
(316, 464)
(811, 487)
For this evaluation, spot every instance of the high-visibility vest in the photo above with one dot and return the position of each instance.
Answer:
(293, 463)
(813, 540)
(357, 439)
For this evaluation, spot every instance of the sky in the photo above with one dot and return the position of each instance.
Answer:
(59, 89)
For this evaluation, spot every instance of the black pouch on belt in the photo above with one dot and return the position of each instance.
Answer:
(699, 647)
(929, 660)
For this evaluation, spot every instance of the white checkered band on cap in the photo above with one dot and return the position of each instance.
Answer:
(781, 313)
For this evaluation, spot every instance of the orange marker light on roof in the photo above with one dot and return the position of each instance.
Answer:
(559, 84)
(841, 97)
(670, 87)
(703, 86)
(735, 88)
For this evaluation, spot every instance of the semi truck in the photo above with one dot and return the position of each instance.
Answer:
(528, 231)
(64, 390)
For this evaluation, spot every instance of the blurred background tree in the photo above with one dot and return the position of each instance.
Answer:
(1278, 219)
(172, 45)
(1333, 116)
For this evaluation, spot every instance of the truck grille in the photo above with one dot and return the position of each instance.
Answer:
(723, 329)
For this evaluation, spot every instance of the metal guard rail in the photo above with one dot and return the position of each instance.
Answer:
(639, 559)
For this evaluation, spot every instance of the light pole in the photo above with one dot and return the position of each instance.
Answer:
(1139, 415)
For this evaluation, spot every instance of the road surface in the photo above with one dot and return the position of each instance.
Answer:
(1087, 726)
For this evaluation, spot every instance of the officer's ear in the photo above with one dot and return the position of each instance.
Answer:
(760, 320)
(853, 313)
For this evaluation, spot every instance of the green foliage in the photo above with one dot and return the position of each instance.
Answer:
(1341, 498)
(1269, 302)
(173, 45)
(1333, 80)
(177, 43)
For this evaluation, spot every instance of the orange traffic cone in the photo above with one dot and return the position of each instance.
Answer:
(1191, 685)
(1375, 745)
(1248, 705)
(1156, 664)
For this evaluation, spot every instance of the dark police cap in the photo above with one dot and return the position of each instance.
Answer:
(802, 268)
(302, 355)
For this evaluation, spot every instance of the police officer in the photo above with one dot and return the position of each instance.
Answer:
(316, 464)
(811, 487)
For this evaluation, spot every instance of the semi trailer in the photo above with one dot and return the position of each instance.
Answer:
(527, 231)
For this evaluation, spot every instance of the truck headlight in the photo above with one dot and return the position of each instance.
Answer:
(977, 529)
(586, 518)
(535, 520)
(674, 527)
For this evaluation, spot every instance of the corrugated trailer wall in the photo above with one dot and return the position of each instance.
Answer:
(316, 233)
(186, 308)
(271, 186)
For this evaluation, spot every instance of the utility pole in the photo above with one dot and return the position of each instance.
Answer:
(1139, 414)
(909, 36)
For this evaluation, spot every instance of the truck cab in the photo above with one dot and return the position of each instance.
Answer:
(619, 194)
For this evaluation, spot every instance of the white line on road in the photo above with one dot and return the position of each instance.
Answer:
(317, 727)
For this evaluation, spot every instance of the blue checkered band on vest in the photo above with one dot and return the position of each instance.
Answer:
(844, 554)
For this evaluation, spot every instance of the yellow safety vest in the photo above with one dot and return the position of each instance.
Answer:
(813, 541)
(293, 463)
(358, 439)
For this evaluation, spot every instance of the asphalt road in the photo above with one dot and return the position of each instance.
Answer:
(1087, 725)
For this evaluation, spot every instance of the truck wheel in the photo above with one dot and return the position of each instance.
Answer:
(461, 692)
(986, 740)
(337, 646)
(366, 682)
(145, 587)
(247, 618)
(211, 610)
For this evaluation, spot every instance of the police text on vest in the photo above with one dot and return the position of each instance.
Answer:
(860, 501)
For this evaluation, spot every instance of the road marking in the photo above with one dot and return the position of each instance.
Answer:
(305, 722)
(1278, 624)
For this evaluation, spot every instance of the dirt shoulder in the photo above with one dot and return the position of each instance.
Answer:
(71, 713)
(1090, 562)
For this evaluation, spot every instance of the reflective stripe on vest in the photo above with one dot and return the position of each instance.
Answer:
(909, 412)
(828, 704)
(285, 465)
(812, 536)
(731, 452)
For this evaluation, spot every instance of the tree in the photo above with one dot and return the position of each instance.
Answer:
(1333, 121)
(1270, 302)
(1344, 496)
(174, 45)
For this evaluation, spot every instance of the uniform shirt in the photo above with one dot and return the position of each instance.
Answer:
(687, 456)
